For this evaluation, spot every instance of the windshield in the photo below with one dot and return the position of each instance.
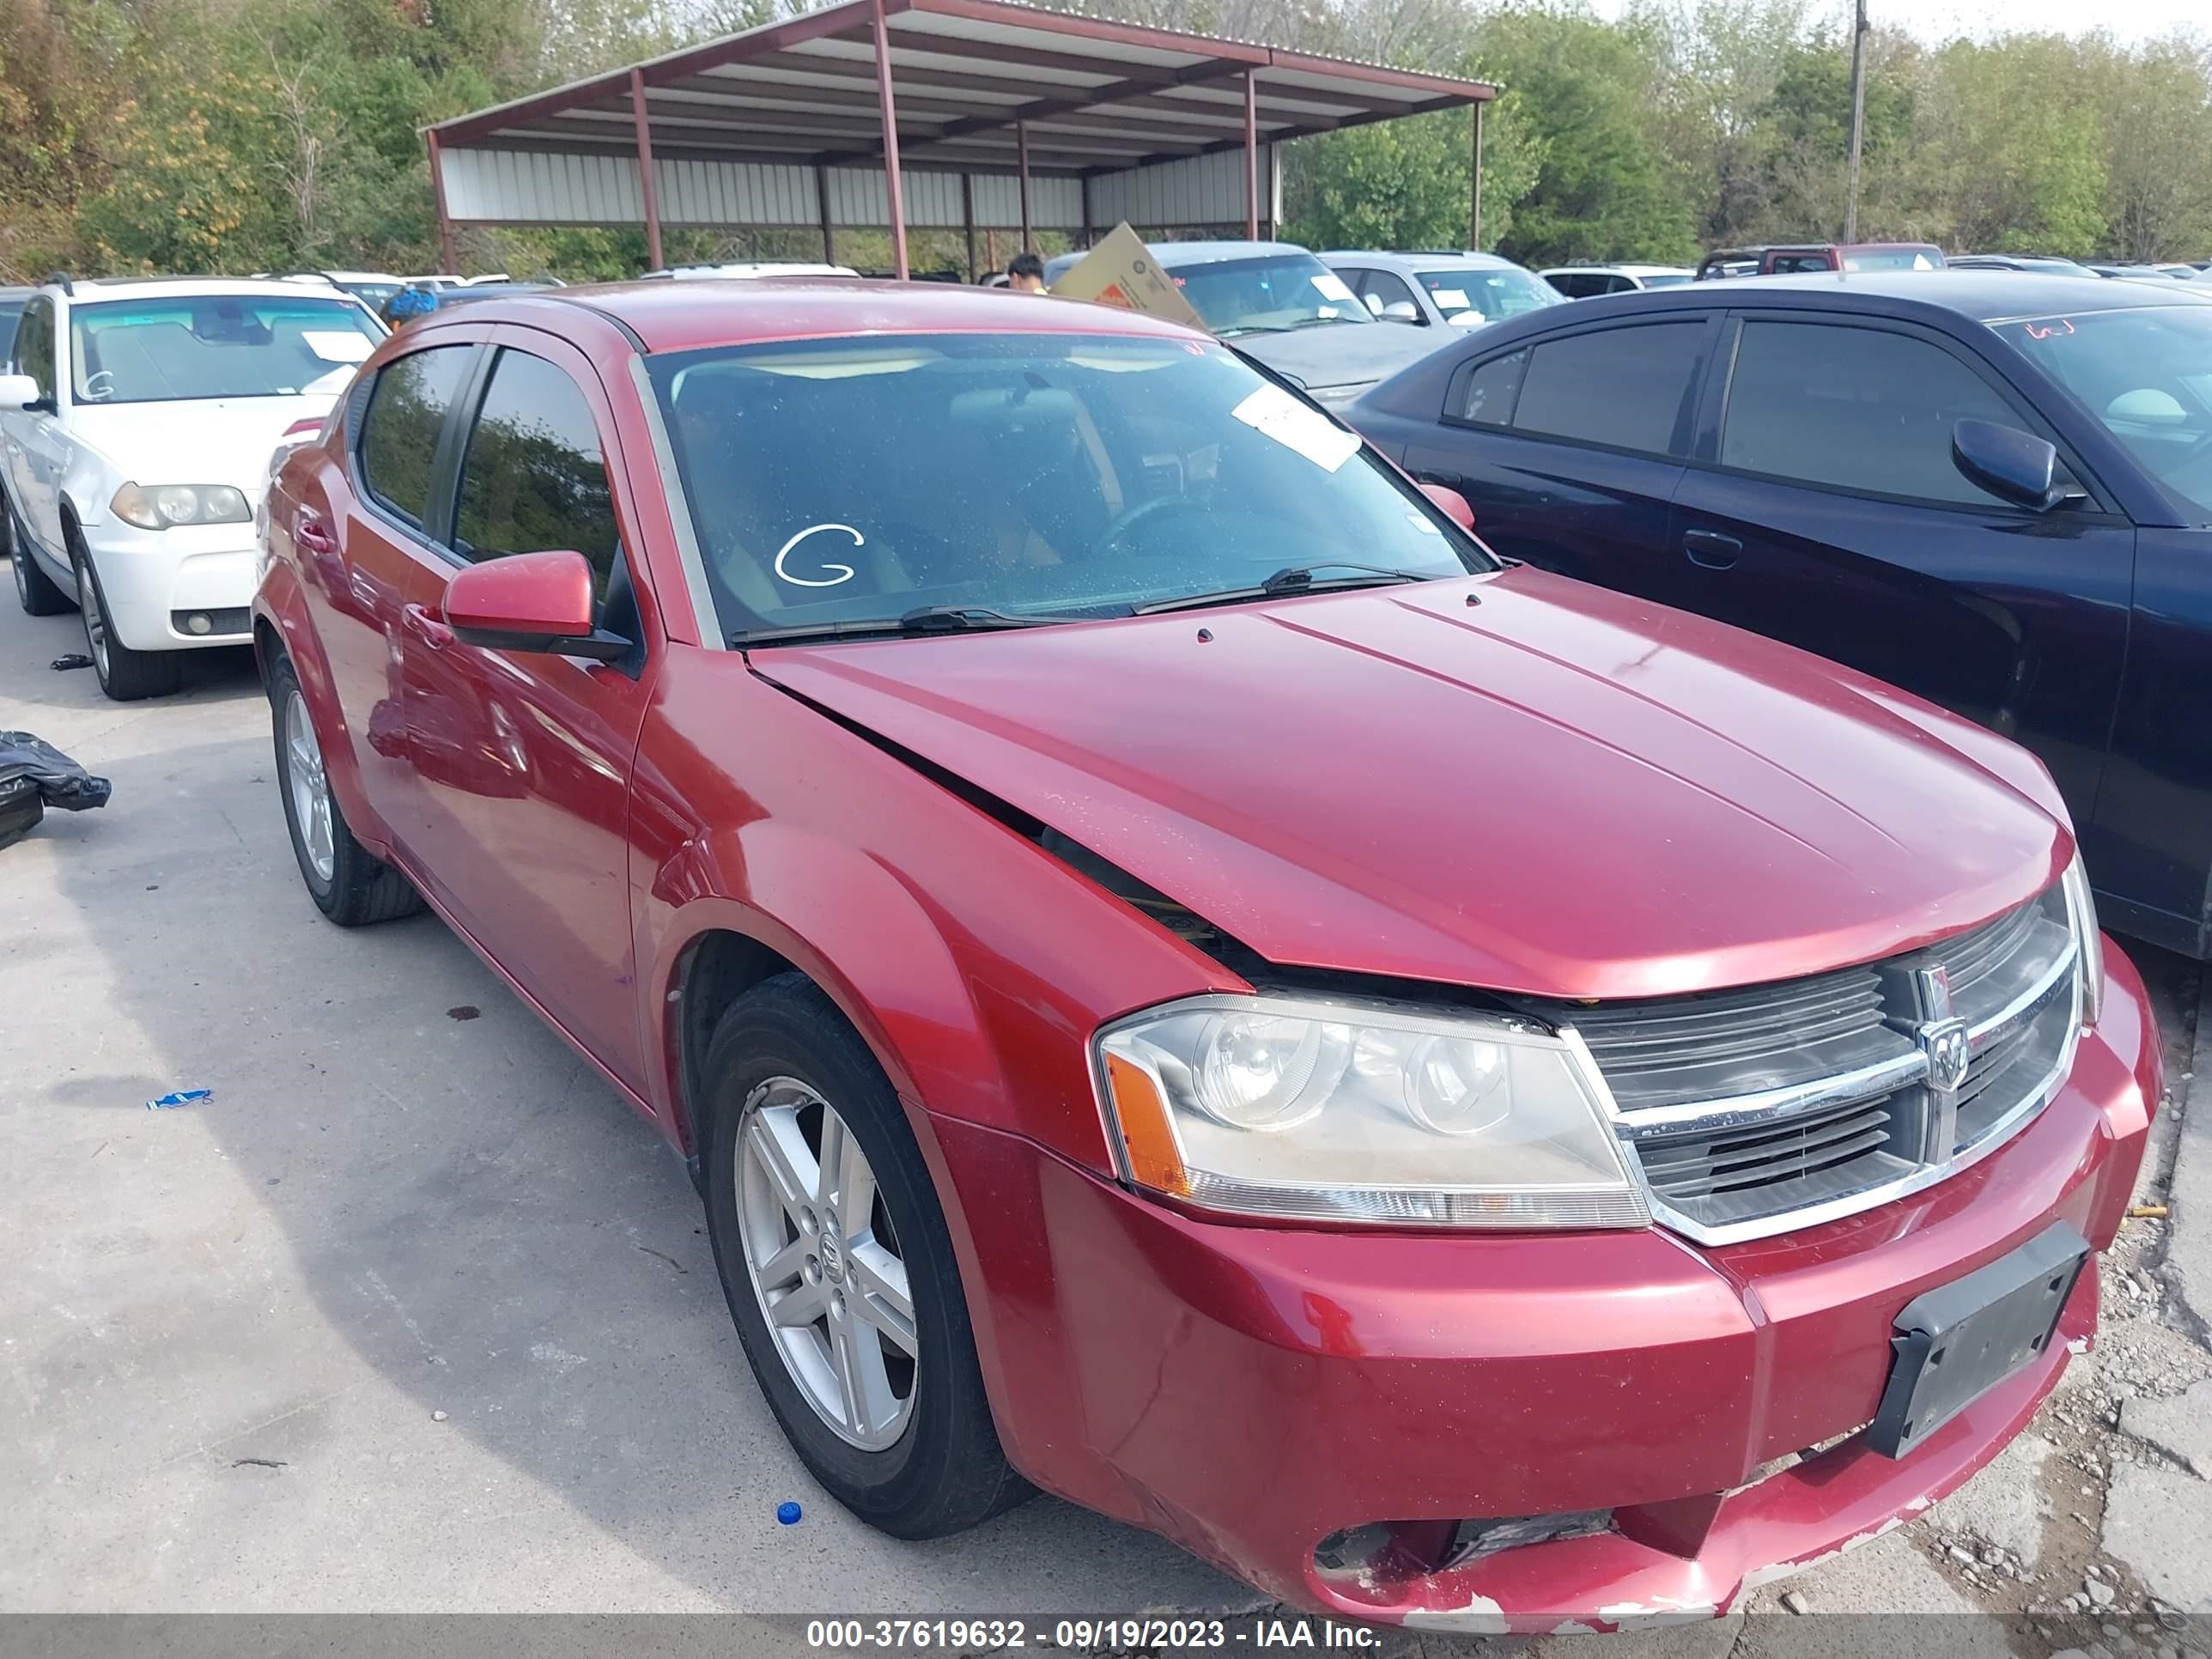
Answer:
(1260, 295)
(224, 345)
(856, 479)
(2146, 374)
(10, 311)
(1488, 292)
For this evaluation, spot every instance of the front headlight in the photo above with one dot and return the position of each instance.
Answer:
(1328, 1111)
(166, 505)
(2082, 909)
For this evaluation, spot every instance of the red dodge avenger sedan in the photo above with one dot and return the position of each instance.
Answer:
(1462, 1098)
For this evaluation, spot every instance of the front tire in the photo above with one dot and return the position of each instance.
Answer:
(36, 591)
(127, 676)
(348, 883)
(839, 1270)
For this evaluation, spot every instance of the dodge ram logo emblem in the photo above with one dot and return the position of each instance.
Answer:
(1949, 1054)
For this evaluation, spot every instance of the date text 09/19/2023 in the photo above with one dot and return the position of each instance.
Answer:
(991, 1635)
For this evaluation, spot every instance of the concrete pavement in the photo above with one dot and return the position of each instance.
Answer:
(414, 1315)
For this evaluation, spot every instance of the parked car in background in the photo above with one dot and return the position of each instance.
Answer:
(2050, 264)
(1286, 308)
(753, 268)
(1461, 1102)
(373, 288)
(1785, 260)
(1994, 489)
(1587, 282)
(1463, 290)
(138, 425)
(468, 293)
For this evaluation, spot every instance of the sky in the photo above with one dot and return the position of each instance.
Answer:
(1941, 19)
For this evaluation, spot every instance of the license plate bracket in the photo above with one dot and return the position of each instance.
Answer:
(1955, 1343)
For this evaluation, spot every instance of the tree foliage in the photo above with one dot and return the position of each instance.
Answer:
(245, 135)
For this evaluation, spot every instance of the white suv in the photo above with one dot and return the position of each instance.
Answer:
(135, 435)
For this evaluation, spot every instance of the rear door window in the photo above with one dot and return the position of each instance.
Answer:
(399, 434)
(1625, 388)
(1859, 409)
(1486, 396)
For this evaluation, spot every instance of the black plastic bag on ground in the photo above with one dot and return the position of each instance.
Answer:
(34, 775)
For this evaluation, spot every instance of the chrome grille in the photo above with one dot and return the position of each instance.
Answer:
(1753, 1110)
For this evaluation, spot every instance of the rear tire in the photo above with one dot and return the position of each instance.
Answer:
(127, 676)
(784, 1056)
(348, 883)
(36, 591)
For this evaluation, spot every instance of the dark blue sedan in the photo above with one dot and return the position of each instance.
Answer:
(1994, 489)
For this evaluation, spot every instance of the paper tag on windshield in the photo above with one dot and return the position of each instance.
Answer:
(1448, 299)
(338, 345)
(1273, 410)
(1332, 286)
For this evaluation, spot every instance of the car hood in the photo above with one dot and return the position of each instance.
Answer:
(215, 440)
(1562, 792)
(1345, 353)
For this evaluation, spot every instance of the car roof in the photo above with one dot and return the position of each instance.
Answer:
(86, 290)
(1984, 296)
(1172, 254)
(1444, 259)
(717, 311)
(1622, 270)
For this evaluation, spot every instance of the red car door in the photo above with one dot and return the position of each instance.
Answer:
(367, 550)
(521, 761)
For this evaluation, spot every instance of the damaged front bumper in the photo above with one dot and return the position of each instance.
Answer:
(1259, 1394)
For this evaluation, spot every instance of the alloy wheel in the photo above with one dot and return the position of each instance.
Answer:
(825, 1263)
(310, 788)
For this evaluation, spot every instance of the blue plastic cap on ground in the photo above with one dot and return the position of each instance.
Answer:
(788, 1513)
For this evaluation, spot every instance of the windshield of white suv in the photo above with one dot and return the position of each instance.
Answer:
(220, 345)
(1266, 295)
(1031, 476)
(1490, 292)
(2146, 373)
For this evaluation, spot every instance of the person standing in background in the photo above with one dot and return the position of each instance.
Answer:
(1025, 273)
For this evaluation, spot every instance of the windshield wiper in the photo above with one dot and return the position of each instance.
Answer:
(1316, 322)
(1291, 579)
(1236, 329)
(929, 619)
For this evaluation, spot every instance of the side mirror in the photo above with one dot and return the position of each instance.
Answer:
(530, 602)
(2011, 465)
(1453, 503)
(18, 391)
(1400, 311)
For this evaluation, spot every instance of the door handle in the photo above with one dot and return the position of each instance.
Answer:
(1710, 549)
(426, 628)
(311, 534)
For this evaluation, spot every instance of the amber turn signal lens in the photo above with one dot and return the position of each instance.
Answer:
(1142, 1116)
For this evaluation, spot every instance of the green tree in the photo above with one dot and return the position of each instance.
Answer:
(1405, 183)
(1603, 189)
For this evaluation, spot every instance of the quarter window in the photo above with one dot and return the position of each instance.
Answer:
(534, 477)
(399, 435)
(1487, 397)
(1854, 408)
(1623, 387)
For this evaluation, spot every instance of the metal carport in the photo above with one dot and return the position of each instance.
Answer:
(940, 113)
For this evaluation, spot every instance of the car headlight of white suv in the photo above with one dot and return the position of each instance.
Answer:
(165, 505)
